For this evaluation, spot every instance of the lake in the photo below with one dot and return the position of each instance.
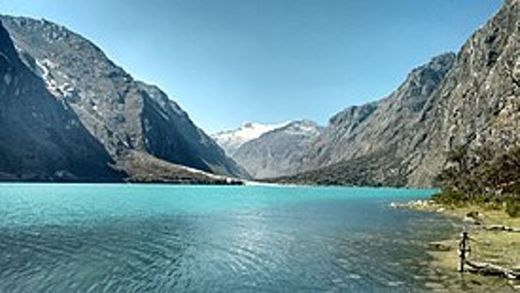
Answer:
(164, 238)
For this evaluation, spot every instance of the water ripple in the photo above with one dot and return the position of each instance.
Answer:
(314, 243)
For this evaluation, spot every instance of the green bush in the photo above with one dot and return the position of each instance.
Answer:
(486, 177)
(513, 207)
(451, 197)
(454, 198)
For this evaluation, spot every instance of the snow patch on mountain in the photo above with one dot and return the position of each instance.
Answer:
(231, 140)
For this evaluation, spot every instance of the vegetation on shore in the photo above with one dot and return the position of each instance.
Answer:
(482, 177)
(510, 204)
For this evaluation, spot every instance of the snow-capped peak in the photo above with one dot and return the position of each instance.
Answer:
(302, 127)
(231, 140)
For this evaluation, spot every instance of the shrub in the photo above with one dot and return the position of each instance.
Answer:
(513, 207)
(484, 176)
(451, 197)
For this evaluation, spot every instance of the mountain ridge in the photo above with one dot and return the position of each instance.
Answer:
(123, 114)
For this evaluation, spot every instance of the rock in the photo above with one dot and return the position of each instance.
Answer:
(474, 217)
(516, 71)
(470, 220)
(439, 246)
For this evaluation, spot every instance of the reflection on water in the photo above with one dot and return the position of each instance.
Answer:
(120, 239)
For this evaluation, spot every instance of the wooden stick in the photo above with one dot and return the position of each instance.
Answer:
(501, 228)
(488, 269)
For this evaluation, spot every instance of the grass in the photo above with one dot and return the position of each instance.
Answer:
(497, 247)
(500, 248)
(510, 204)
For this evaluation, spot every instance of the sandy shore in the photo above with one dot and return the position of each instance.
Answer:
(494, 239)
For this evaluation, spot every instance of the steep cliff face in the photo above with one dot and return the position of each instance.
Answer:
(478, 104)
(278, 152)
(124, 115)
(470, 100)
(41, 138)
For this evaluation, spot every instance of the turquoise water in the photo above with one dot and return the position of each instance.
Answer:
(164, 238)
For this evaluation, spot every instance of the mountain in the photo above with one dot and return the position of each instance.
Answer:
(479, 104)
(366, 129)
(231, 140)
(41, 137)
(145, 133)
(370, 144)
(467, 101)
(277, 152)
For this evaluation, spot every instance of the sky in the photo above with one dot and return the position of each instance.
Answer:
(231, 61)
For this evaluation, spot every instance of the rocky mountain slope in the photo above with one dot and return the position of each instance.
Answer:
(279, 151)
(133, 121)
(231, 140)
(479, 102)
(470, 100)
(369, 144)
(41, 138)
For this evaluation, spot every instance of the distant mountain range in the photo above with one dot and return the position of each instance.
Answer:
(268, 151)
(71, 114)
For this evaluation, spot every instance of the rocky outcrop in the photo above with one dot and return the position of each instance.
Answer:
(124, 115)
(278, 152)
(41, 137)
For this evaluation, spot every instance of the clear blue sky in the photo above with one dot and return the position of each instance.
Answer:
(229, 61)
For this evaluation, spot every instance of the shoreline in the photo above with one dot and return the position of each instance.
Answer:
(494, 240)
